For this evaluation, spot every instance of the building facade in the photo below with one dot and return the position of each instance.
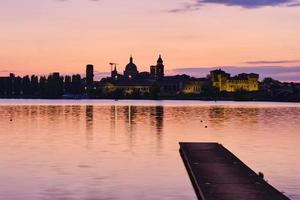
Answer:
(241, 82)
(192, 87)
(128, 89)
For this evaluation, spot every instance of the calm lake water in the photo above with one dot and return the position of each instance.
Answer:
(90, 150)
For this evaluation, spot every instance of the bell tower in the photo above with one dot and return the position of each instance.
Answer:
(157, 71)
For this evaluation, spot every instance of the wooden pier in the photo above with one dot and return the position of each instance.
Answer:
(217, 174)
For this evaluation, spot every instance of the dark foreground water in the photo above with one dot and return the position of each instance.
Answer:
(90, 150)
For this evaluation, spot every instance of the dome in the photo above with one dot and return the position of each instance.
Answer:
(131, 66)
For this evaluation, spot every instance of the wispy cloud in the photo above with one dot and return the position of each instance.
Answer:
(261, 62)
(289, 74)
(249, 4)
(185, 7)
(71, 0)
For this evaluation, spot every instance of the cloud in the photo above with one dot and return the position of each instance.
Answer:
(185, 7)
(70, 0)
(288, 74)
(250, 3)
(99, 75)
(197, 4)
(261, 62)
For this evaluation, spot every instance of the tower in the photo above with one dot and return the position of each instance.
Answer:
(89, 76)
(157, 71)
(160, 71)
(114, 73)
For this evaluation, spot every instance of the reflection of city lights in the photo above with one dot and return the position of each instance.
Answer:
(129, 115)
(116, 117)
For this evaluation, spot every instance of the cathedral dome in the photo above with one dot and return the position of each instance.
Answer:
(131, 66)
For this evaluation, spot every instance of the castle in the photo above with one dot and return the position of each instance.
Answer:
(225, 83)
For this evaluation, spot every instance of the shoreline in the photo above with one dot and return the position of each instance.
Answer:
(160, 99)
(143, 102)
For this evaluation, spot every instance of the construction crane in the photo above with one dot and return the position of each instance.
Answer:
(113, 65)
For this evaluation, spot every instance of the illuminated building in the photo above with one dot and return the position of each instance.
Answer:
(181, 84)
(192, 87)
(225, 83)
(128, 88)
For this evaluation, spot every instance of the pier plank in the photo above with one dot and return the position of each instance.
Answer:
(217, 174)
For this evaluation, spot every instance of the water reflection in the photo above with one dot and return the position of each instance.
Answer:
(157, 122)
(159, 119)
(221, 117)
(217, 116)
(89, 117)
(130, 113)
(94, 150)
(114, 118)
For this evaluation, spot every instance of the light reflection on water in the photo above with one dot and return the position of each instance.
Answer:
(129, 149)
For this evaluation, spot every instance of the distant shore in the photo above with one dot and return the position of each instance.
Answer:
(159, 99)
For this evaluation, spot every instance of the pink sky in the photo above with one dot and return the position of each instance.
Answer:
(42, 36)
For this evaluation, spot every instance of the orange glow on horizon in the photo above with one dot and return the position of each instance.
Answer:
(49, 36)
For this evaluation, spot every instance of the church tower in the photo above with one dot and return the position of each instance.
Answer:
(157, 71)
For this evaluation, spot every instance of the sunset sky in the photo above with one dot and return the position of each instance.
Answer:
(42, 36)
